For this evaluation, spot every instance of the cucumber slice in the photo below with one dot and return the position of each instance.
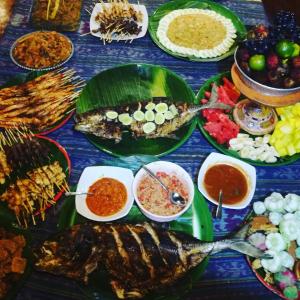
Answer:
(150, 106)
(149, 127)
(168, 115)
(111, 114)
(161, 107)
(159, 119)
(173, 109)
(125, 119)
(139, 115)
(149, 115)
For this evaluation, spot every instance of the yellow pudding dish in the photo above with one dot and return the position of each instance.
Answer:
(196, 32)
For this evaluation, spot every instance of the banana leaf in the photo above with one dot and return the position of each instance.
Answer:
(132, 83)
(202, 4)
(224, 148)
(196, 221)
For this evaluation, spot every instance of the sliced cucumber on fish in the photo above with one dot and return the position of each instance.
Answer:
(110, 122)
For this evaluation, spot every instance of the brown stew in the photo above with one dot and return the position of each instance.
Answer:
(229, 179)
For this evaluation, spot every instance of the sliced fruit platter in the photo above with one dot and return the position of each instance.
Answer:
(249, 130)
(40, 101)
(34, 173)
(275, 229)
(182, 29)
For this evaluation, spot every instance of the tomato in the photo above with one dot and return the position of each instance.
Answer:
(257, 62)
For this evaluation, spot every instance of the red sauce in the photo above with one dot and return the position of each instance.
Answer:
(229, 179)
(108, 196)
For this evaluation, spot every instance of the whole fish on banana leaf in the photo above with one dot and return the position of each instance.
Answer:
(139, 258)
(150, 119)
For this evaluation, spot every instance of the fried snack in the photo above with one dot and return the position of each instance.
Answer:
(42, 49)
(12, 263)
(6, 7)
(61, 15)
(40, 103)
(34, 193)
(5, 168)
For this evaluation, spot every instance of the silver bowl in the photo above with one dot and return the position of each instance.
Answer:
(49, 68)
(262, 88)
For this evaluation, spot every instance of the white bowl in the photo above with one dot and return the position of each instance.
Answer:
(99, 8)
(169, 168)
(248, 170)
(92, 174)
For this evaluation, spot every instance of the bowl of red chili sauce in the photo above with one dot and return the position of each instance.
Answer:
(108, 193)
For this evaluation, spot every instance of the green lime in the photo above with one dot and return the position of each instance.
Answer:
(296, 50)
(257, 62)
(285, 48)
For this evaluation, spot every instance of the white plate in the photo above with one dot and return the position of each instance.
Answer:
(95, 25)
(169, 168)
(89, 176)
(249, 171)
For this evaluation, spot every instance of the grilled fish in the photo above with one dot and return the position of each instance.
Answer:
(138, 258)
(157, 118)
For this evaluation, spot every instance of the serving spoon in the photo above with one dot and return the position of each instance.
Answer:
(77, 193)
(175, 197)
(220, 204)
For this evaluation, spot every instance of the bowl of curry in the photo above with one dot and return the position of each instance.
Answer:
(235, 178)
(107, 193)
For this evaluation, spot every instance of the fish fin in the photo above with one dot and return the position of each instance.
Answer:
(244, 247)
(242, 233)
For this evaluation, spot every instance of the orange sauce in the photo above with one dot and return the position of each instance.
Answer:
(229, 179)
(108, 196)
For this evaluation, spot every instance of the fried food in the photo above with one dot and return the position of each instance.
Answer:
(118, 18)
(40, 103)
(6, 7)
(62, 15)
(42, 49)
(12, 262)
(35, 192)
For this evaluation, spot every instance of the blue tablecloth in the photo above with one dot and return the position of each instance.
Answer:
(228, 275)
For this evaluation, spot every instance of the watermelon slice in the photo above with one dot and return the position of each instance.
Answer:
(222, 128)
(231, 90)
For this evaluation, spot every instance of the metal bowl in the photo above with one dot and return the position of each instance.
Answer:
(49, 68)
(262, 88)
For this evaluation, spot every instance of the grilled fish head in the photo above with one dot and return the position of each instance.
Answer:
(71, 253)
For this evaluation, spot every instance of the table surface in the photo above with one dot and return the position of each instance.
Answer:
(228, 275)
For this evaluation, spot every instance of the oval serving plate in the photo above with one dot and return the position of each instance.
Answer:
(196, 221)
(7, 222)
(22, 78)
(132, 83)
(49, 68)
(223, 148)
(58, 153)
(206, 4)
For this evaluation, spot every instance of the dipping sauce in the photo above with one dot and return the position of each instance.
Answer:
(108, 196)
(229, 179)
(155, 199)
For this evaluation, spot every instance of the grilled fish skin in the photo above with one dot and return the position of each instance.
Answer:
(139, 258)
(95, 121)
